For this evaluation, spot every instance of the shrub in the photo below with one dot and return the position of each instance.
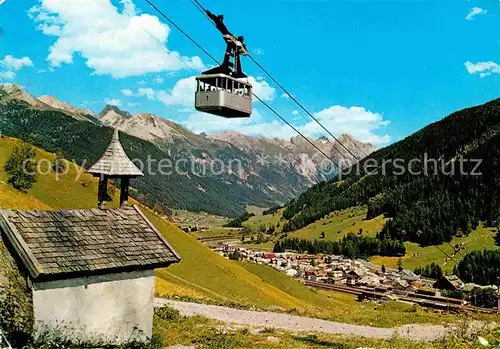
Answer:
(21, 167)
(167, 313)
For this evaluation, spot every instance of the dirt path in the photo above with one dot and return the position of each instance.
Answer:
(298, 323)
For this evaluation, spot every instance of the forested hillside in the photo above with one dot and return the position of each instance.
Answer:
(83, 142)
(443, 196)
(220, 173)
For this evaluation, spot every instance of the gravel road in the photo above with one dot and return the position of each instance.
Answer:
(298, 323)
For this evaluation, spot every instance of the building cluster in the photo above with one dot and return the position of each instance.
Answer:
(342, 271)
(330, 269)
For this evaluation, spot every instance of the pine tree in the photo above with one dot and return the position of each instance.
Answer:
(400, 264)
(59, 165)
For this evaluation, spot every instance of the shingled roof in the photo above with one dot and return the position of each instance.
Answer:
(56, 244)
(115, 162)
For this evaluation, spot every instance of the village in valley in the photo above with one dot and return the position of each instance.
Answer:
(362, 278)
(197, 175)
(252, 238)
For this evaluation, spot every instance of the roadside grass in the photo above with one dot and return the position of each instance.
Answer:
(416, 255)
(175, 329)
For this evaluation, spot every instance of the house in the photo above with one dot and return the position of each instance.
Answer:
(369, 280)
(408, 275)
(90, 272)
(336, 274)
(356, 274)
(449, 282)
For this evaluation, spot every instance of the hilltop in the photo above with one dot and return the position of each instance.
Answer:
(194, 180)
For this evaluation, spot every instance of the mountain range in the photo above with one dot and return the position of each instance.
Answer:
(435, 184)
(268, 171)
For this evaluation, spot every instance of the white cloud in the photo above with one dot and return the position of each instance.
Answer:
(258, 51)
(181, 94)
(159, 80)
(132, 104)
(183, 91)
(12, 63)
(127, 92)
(7, 75)
(112, 42)
(148, 92)
(262, 89)
(142, 82)
(114, 101)
(295, 112)
(475, 11)
(362, 124)
(482, 68)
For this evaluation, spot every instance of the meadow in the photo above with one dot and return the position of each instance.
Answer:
(205, 276)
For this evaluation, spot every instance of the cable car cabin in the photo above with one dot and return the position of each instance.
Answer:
(223, 95)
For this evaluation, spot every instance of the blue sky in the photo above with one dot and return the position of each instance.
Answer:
(378, 70)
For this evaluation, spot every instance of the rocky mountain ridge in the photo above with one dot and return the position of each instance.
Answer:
(257, 170)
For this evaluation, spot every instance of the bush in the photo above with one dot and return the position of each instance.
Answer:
(59, 165)
(57, 339)
(483, 297)
(21, 167)
(167, 313)
(221, 341)
(16, 319)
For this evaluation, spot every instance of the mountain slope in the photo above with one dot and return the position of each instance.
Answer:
(55, 103)
(202, 273)
(439, 200)
(284, 156)
(199, 173)
(10, 92)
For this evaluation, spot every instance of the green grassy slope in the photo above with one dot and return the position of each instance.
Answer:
(201, 269)
(416, 255)
(430, 204)
(69, 191)
(203, 274)
(340, 223)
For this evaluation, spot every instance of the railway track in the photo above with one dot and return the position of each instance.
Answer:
(427, 301)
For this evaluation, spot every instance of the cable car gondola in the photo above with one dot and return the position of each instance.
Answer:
(223, 90)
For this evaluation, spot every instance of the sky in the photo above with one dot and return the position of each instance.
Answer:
(378, 70)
